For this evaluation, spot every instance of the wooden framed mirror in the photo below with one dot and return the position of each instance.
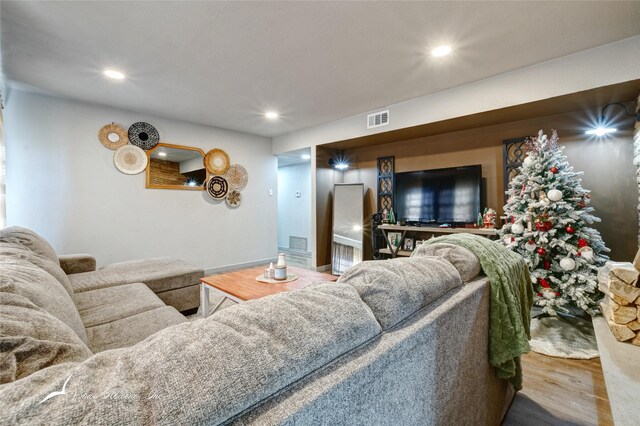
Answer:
(176, 167)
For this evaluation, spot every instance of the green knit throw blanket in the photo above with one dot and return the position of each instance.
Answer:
(511, 301)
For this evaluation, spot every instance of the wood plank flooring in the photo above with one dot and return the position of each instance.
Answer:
(560, 392)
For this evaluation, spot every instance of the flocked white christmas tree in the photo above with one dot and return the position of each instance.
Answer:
(547, 222)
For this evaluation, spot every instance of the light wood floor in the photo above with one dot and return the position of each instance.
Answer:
(560, 391)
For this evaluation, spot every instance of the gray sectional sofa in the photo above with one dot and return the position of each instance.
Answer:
(399, 342)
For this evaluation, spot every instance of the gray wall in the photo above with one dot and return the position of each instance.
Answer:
(62, 183)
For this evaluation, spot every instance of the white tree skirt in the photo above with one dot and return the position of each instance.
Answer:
(563, 338)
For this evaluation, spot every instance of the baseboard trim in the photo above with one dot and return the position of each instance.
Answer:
(236, 266)
(323, 268)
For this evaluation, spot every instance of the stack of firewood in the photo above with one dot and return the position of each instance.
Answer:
(621, 305)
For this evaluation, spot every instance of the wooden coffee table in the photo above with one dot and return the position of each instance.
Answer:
(241, 285)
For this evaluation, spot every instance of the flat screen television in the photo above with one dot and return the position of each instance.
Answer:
(439, 196)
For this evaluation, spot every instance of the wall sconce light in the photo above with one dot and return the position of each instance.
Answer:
(340, 162)
(603, 128)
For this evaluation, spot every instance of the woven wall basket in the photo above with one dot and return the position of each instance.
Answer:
(217, 161)
(217, 187)
(143, 135)
(234, 198)
(113, 136)
(237, 177)
(130, 159)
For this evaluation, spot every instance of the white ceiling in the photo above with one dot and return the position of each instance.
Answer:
(294, 157)
(224, 63)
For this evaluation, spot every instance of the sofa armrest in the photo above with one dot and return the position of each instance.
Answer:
(77, 263)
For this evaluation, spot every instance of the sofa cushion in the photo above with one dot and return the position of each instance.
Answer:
(159, 274)
(30, 239)
(130, 330)
(20, 251)
(106, 305)
(32, 339)
(395, 289)
(463, 259)
(25, 279)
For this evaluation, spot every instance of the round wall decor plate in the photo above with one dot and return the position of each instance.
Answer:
(130, 159)
(237, 177)
(217, 187)
(113, 136)
(234, 198)
(217, 162)
(143, 135)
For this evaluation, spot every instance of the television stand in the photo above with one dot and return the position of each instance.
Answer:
(430, 231)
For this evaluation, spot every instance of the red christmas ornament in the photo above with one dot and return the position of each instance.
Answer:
(570, 229)
(547, 264)
(582, 242)
(543, 283)
(531, 242)
(557, 293)
(539, 294)
(554, 170)
(548, 226)
(542, 251)
(513, 219)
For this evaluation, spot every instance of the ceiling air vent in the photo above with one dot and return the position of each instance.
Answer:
(378, 119)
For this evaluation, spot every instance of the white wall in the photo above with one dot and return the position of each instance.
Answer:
(294, 214)
(601, 66)
(62, 183)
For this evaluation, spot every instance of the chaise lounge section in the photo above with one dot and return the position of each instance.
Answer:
(109, 308)
(175, 282)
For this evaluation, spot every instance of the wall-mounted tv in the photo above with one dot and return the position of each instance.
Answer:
(440, 196)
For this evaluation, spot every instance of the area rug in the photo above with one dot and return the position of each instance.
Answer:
(563, 338)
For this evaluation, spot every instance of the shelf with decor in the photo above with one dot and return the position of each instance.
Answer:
(403, 230)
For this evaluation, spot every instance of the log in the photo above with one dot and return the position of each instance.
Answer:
(619, 300)
(618, 287)
(617, 313)
(634, 325)
(626, 272)
(620, 332)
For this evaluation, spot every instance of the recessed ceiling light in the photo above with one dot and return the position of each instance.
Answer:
(116, 75)
(441, 51)
(271, 115)
(162, 154)
(305, 157)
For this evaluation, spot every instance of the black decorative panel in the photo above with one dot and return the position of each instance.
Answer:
(513, 154)
(385, 183)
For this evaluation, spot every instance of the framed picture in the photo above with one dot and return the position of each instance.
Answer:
(408, 244)
(394, 238)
